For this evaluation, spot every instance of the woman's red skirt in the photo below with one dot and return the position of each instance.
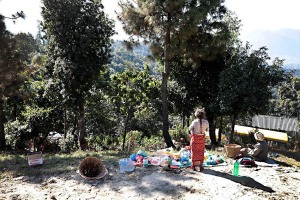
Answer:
(197, 149)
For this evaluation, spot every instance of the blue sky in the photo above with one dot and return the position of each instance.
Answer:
(255, 14)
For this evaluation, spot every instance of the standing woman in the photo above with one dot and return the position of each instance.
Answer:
(198, 128)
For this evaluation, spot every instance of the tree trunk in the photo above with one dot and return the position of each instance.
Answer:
(75, 131)
(15, 111)
(81, 127)
(65, 123)
(212, 131)
(125, 132)
(220, 130)
(2, 134)
(233, 120)
(164, 87)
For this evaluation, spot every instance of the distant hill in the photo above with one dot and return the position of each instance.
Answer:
(138, 58)
(284, 43)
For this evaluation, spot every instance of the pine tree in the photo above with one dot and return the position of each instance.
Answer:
(163, 24)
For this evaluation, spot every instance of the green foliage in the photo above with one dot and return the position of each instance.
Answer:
(180, 133)
(79, 44)
(246, 84)
(286, 101)
(41, 112)
(182, 100)
(154, 142)
(69, 143)
(79, 48)
(27, 46)
(13, 72)
(153, 20)
(170, 28)
(134, 89)
(135, 92)
(100, 116)
(13, 134)
(147, 120)
(138, 57)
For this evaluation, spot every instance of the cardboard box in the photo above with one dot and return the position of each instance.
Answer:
(35, 159)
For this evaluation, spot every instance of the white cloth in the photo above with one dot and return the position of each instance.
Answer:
(195, 126)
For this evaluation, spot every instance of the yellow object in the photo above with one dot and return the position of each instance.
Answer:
(269, 135)
(176, 155)
(217, 134)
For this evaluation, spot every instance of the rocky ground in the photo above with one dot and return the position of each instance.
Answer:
(277, 182)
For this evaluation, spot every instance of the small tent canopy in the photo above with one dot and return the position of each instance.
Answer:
(275, 123)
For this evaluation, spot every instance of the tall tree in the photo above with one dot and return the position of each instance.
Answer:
(79, 46)
(245, 86)
(163, 23)
(11, 72)
(198, 71)
(27, 48)
(134, 91)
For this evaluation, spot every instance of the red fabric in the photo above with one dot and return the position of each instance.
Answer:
(197, 149)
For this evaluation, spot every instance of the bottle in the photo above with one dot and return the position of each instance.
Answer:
(145, 162)
(236, 167)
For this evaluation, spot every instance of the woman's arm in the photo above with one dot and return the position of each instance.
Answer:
(256, 150)
(191, 127)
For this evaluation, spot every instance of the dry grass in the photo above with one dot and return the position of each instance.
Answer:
(14, 165)
(287, 158)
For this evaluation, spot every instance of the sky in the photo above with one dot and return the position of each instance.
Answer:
(254, 15)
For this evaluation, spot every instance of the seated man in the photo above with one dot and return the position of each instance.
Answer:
(259, 151)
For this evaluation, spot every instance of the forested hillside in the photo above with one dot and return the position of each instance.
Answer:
(138, 57)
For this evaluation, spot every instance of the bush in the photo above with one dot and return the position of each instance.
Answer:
(178, 134)
(153, 143)
(18, 136)
(102, 142)
(294, 142)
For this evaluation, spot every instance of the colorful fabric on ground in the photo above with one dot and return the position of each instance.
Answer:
(197, 149)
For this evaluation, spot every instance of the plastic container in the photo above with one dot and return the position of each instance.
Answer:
(236, 167)
(126, 165)
(211, 161)
(122, 166)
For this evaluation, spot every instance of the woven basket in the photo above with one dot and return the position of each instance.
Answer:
(232, 150)
(92, 168)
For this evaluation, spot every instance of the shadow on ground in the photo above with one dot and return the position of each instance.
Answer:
(243, 180)
(289, 154)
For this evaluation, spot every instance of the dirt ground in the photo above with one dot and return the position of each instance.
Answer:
(276, 182)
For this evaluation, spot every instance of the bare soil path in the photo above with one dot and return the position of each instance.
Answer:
(281, 182)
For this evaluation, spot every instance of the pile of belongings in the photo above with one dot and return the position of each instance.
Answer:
(245, 161)
(210, 159)
(170, 159)
(165, 157)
